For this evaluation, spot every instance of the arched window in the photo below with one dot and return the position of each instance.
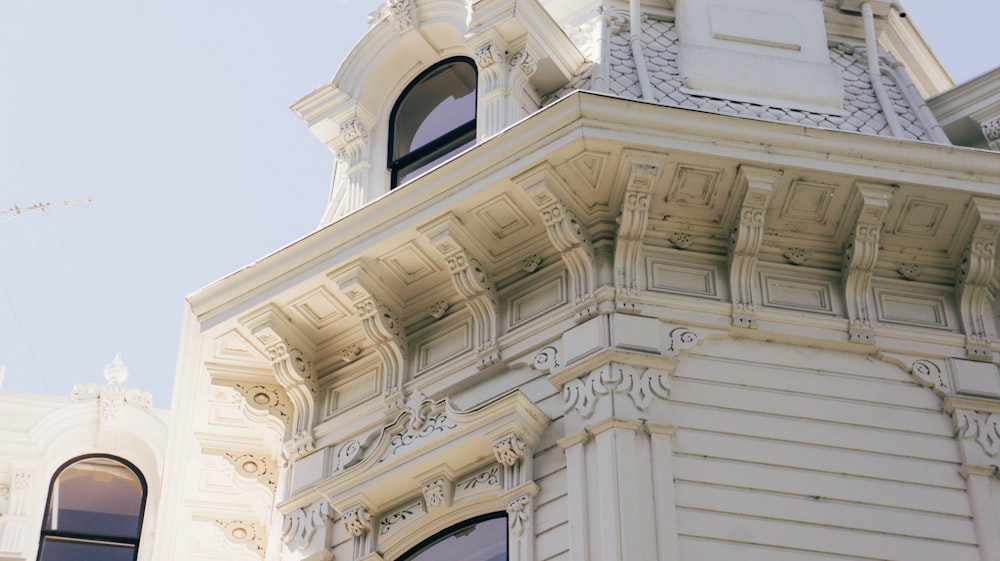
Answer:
(434, 118)
(483, 538)
(94, 511)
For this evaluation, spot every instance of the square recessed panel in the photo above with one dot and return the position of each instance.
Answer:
(501, 216)
(319, 307)
(234, 346)
(589, 166)
(694, 186)
(409, 264)
(921, 217)
(808, 201)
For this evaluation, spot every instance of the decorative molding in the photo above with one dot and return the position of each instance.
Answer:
(991, 130)
(531, 263)
(113, 396)
(510, 451)
(392, 521)
(861, 255)
(570, 238)
(929, 374)
(416, 431)
(983, 427)
(350, 353)
(487, 478)
(642, 175)
(519, 513)
(255, 466)
(546, 360)
(680, 339)
(22, 480)
(487, 55)
(357, 521)
(463, 256)
(380, 325)
(523, 61)
(681, 240)
(746, 238)
(243, 533)
(348, 454)
(976, 275)
(437, 492)
(267, 399)
(299, 527)
(439, 309)
(909, 271)
(641, 385)
(795, 255)
(292, 369)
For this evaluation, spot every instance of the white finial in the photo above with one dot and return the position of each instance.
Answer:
(115, 373)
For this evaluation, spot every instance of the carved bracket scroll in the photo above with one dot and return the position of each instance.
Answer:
(975, 274)
(860, 257)
(746, 239)
(643, 174)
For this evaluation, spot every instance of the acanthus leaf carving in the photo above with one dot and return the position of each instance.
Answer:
(519, 513)
(437, 492)
(357, 521)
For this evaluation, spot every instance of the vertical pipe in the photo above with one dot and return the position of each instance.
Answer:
(875, 73)
(635, 17)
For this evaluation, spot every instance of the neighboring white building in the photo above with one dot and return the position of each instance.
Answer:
(597, 280)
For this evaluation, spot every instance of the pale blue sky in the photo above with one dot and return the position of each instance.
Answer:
(173, 116)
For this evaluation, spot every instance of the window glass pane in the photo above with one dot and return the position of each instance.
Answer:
(439, 102)
(96, 496)
(63, 550)
(483, 541)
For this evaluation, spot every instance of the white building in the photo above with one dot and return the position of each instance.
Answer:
(596, 281)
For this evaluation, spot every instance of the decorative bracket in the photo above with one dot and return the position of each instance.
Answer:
(380, 325)
(861, 255)
(975, 274)
(358, 522)
(643, 173)
(292, 369)
(462, 255)
(568, 236)
(299, 527)
(746, 238)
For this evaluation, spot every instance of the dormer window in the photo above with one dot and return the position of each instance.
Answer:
(434, 119)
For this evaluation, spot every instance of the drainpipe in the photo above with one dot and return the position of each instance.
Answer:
(876, 73)
(645, 86)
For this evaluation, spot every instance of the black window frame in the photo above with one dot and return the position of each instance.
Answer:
(88, 538)
(441, 145)
(455, 529)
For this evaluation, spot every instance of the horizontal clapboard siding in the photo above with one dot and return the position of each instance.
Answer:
(822, 455)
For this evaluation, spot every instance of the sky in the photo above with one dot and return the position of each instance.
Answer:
(172, 117)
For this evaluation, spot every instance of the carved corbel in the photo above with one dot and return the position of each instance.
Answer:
(380, 325)
(643, 174)
(358, 523)
(991, 130)
(461, 253)
(437, 492)
(241, 532)
(975, 274)
(513, 454)
(292, 369)
(746, 238)
(571, 238)
(520, 67)
(861, 255)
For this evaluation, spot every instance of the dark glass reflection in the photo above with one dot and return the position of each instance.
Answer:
(60, 550)
(96, 496)
(482, 541)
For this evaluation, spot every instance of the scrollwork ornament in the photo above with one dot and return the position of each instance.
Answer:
(546, 360)
(488, 55)
(929, 374)
(681, 338)
(22, 479)
(643, 387)
(436, 492)
(348, 454)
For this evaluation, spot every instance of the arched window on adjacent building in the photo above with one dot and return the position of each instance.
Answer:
(433, 119)
(94, 511)
(483, 538)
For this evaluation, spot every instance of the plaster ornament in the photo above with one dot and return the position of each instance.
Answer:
(112, 396)
(4, 498)
(530, 263)
(242, 533)
(437, 492)
(488, 55)
(348, 454)
(439, 309)
(519, 513)
(510, 451)
(681, 338)
(350, 353)
(681, 240)
(984, 428)
(929, 374)
(909, 271)
(545, 361)
(22, 479)
(299, 527)
(358, 521)
(991, 130)
(795, 255)
(394, 519)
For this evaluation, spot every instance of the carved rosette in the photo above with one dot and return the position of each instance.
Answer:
(299, 527)
(984, 428)
(244, 533)
(437, 492)
(255, 466)
(746, 239)
(631, 228)
(267, 399)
